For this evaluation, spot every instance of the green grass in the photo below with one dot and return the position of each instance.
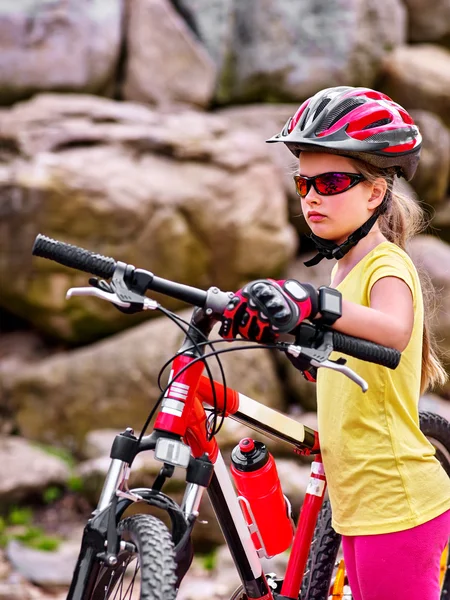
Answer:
(209, 560)
(20, 518)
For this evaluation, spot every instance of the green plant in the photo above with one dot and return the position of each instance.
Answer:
(34, 537)
(209, 560)
(19, 516)
(51, 494)
(75, 483)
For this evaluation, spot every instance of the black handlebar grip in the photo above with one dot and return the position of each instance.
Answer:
(365, 350)
(74, 257)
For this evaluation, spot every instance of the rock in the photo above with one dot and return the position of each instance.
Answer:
(156, 36)
(432, 257)
(113, 383)
(294, 479)
(286, 50)
(441, 220)
(428, 22)
(433, 174)
(212, 22)
(27, 469)
(418, 77)
(206, 207)
(50, 569)
(265, 120)
(61, 46)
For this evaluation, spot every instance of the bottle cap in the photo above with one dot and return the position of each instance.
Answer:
(246, 445)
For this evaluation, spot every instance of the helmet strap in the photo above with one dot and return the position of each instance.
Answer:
(329, 249)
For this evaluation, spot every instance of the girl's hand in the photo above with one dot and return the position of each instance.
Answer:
(264, 308)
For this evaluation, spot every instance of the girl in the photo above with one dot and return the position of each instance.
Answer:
(389, 495)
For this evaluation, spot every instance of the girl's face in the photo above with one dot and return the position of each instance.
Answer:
(336, 217)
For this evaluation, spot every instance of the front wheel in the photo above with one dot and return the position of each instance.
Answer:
(325, 576)
(145, 568)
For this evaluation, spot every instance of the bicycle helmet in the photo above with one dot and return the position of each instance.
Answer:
(359, 123)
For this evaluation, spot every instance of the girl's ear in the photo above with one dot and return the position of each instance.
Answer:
(379, 188)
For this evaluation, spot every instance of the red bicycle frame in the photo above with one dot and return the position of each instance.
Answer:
(182, 413)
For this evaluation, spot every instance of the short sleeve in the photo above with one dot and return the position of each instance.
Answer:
(390, 264)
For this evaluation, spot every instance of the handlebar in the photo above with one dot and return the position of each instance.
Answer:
(213, 300)
(105, 266)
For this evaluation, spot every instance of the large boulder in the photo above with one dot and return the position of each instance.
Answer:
(432, 176)
(428, 21)
(61, 46)
(28, 470)
(418, 76)
(113, 383)
(165, 62)
(265, 120)
(212, 22)
(285, 50)
(184, 194)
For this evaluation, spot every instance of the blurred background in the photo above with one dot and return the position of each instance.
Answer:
(136, 129)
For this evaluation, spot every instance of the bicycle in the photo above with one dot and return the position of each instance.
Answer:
(184, 436)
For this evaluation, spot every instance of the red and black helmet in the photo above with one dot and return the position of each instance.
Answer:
(356, 122)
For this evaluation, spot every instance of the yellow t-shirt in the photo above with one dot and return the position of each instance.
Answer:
(381, 470)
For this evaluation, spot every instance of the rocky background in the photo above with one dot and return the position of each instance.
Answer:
(136, 128)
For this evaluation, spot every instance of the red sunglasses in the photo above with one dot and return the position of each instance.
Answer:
(327, 184)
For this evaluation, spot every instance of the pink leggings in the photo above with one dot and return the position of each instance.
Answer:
(397, 566)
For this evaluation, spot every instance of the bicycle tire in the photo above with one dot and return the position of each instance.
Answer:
(153, 558)
(326, 542)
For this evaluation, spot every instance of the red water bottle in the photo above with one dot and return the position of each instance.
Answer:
(256, 478)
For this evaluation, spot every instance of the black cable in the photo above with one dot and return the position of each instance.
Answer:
(180, 352)
(175, 319)
(206, 356)
(212, 428)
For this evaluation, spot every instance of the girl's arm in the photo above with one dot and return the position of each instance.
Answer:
(389, 320)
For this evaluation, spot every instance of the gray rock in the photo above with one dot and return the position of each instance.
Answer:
(113, 383)
(432, 257)
(212, 21)
(63, 46)
(433, 174)
(265, 120)
(441, 220)
(165, 63)
(289, 50)
(428, 21)
(48, 569)
(418, 76)
(206, 207)
(27, 469)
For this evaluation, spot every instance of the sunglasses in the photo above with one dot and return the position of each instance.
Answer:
(327, 184)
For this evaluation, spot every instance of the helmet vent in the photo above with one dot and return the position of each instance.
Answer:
(321, 106)
(398, 136)
(340, 111)
(378, 123)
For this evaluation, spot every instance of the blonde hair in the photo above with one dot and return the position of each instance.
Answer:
(403, 219)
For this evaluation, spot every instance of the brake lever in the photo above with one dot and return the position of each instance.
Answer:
(337, 366)
(322, 360)
(147, 303)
